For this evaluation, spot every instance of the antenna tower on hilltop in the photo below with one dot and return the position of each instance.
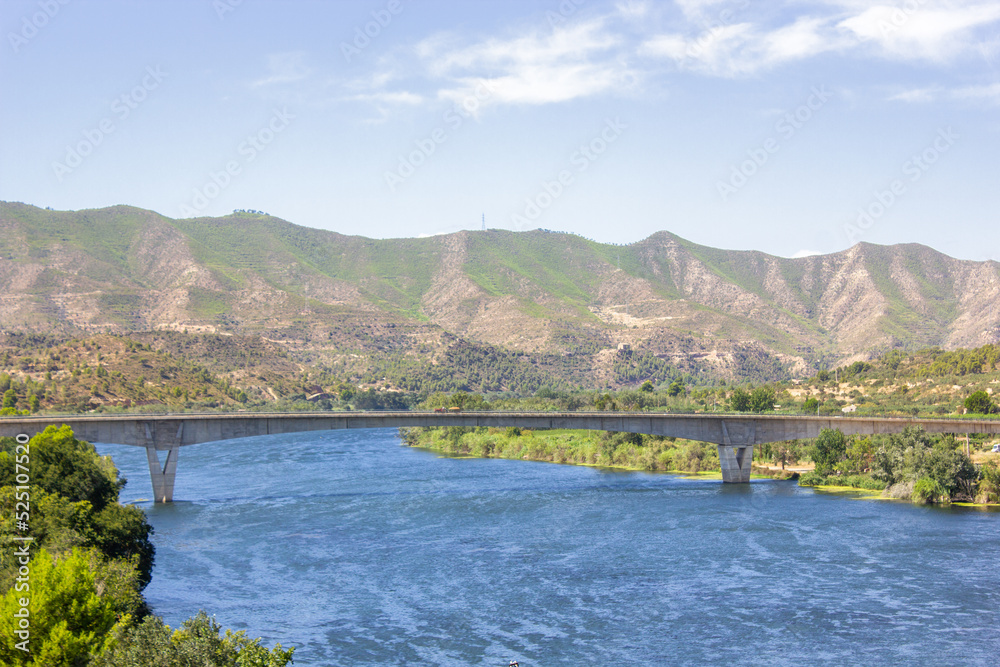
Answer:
(484, 222)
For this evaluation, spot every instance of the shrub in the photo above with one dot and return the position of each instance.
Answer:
(812, 478)
(863, 482)
(927, 490)
(988, 489)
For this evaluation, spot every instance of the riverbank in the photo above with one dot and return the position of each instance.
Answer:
(625, 451)
(633, 451)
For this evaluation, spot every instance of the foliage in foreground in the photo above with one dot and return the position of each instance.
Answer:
(90, 559)
(74, 606)
(197, 642)
(74, 503)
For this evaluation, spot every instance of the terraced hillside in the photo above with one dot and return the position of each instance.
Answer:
(606, 314)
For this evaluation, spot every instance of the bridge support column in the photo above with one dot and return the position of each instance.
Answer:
(735, 463)
(736, 450)
(163, 475)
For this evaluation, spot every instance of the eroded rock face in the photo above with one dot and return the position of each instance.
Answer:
(123, 269)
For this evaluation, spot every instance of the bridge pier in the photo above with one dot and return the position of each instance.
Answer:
(735, 463)
(162, 476)
(736, 452)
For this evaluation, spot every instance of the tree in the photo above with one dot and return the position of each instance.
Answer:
(810, 406)
(762, 399)
(676, 388)
(786, 452)
(62, 464)
(197, 642)
(70, 620)
(978, 403)
(10, 399)
(75, 503)
(647, 386)
(739, 400)
(828, 449)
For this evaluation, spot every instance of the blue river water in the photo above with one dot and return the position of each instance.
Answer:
(360, 551)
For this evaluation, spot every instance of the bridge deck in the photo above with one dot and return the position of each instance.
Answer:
(735, 434)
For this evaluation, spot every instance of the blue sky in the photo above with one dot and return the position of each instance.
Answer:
(788, 127)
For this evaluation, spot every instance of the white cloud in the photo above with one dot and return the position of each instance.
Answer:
(565, 63)
(990, 92)
(283, 68)
(589, 55)
(916, 32)
(632, 9)
(985, 92)
(694, 9)
(917, 95)
(742, 48)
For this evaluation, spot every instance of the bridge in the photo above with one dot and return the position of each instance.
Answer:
(734, 434)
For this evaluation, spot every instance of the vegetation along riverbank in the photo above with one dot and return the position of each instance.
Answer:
(913, 465)
(73, 565)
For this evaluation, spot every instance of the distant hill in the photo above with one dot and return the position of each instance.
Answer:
(552, 304)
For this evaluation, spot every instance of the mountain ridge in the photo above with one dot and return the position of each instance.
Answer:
(124, 269)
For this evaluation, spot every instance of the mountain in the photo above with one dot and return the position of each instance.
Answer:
(589, 313)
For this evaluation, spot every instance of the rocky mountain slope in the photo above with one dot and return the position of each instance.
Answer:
(546, 295)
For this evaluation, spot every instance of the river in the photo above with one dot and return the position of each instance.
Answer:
(360, 551)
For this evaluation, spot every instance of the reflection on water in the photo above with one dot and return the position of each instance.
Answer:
(359, 551)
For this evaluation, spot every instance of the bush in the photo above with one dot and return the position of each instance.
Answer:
(863, 482)
(927, 490)
(988, 489)
(812, 478)
(197, 642)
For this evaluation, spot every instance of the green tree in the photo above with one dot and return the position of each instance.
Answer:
(786, 452)
(10, 399)
(62, 464)
(828, 449)
(739, 400)
(762, 399)
(74, 502)
(647, 386)
(197, 642)
(978, 403)
(121, 531)
(33, 403)
(810, 405)
(70, 619)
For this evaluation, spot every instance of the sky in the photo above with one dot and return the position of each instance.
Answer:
(791, 127)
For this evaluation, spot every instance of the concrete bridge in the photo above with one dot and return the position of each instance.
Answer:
(735, 434)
